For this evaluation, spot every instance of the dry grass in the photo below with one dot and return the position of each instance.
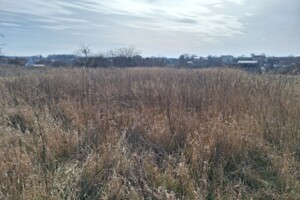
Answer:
(148, 134)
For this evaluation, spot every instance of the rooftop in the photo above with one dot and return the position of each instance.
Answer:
(247, 62)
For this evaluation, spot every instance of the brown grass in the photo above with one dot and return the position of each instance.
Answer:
(148, 134)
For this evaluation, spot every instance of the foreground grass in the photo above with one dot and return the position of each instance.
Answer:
(148, 134)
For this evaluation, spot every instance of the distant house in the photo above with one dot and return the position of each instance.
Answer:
(227, 60)
(34, 61)
(190, 63)
(261, 59)
(30, 62)
(38, 65)
(250, 65)
(172, 62)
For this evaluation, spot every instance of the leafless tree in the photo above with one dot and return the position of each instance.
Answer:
(123, 57)
(128, 52)
(84, 52)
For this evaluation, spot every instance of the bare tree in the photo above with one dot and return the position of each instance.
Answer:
(111, 54)
(84, 52)
(123, 57)
(128, 52)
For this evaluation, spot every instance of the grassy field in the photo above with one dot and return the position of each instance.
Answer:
(148, 134)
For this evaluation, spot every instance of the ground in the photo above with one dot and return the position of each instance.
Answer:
(148, 134)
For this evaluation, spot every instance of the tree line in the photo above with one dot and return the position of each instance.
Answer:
(84, 57)
(122, 57)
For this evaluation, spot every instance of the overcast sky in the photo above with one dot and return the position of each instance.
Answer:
(155, 27)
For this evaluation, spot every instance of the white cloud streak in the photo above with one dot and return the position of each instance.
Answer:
(8, 24)
(153, 25)
(191, 16)
(183, 16)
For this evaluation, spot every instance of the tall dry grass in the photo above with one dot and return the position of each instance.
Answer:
(148, 134)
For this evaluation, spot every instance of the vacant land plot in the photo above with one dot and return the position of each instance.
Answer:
(148, 134)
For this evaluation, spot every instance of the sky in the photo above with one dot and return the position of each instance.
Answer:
(154, 27)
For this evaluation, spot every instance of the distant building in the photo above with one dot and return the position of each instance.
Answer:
(30, 62)
(250, 65)
(248, 62)
(172, 62)
(38, 65)
(227, 60)
(190, 63)
(33, 60)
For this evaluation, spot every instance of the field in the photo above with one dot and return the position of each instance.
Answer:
(148, 134)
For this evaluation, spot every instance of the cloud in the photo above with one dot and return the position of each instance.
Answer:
(59, 27)
(172, 15)
(40, 8)
(8, 24)
(43, 11)
(248, 14)
(174, 23)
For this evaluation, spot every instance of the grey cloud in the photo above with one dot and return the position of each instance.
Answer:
(158, 24)
(46, 12)
(187, 21)
(187, 15)
(9, 24)
(40, 7)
